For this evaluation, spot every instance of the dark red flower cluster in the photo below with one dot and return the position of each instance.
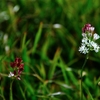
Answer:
(18, 67)
(87, 28)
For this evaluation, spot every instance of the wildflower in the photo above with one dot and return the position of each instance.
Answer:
(18, 67)
(88, 40)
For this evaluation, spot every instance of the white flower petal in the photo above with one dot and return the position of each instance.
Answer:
(96, 36)
(83, 49)
(84, 34)
(10, 74)
(91, 29)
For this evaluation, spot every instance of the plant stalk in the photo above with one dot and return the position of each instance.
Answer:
(81, 88)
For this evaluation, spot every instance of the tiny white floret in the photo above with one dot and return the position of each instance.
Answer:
(10, 74)
(96, 36)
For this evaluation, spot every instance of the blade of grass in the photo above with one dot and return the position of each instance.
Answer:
(22, 92)
(63, 68)
(72, 77)
(62, 84)
(42, 71)
(54, 63)
(26, 59)
(56, 93)
(30, 89)
(23, 41)
(2, 97)
(88, 92)
(38, 35)
(12, 17)
(25, 55)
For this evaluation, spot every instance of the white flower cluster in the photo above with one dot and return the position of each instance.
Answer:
(88, 42)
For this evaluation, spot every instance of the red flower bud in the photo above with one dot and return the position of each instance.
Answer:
(13, 64)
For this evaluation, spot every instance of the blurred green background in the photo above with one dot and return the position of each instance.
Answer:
(46, 34)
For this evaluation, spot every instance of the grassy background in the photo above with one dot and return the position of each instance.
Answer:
(28, 29)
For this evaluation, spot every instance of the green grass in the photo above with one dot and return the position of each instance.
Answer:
(51, 57)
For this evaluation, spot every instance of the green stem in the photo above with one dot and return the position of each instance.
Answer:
(11, 95)
(81, 90)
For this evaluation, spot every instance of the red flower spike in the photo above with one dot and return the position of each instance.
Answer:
(21, 69)
(18, 64)
(13, 64)
(86, 28)
(21, 65)
(87, 25)
(19, 72)
(15, 72)
(18, 67)
(18, 60)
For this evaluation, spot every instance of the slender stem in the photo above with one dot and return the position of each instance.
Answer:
(11, 95)
(81, 90)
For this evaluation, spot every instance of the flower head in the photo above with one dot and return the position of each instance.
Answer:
(87, 28)
(18, 67)
(88, 40)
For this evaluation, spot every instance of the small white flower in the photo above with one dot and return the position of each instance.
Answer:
(91, 29)
(84, 35)
(97, 49)
(96, 36)
(93, 44)
(83, 49)
(85, 40)
(10, 74)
